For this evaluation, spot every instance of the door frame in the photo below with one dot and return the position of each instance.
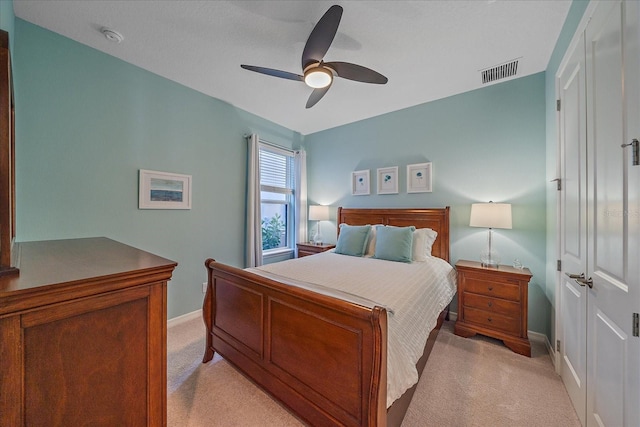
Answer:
(575, 40)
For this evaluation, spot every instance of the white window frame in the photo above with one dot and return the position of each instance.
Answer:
(289, 191)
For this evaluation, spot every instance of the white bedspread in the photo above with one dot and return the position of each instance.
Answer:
(413, 294)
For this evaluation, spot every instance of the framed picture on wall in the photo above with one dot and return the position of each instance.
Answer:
(162, 190)
(419, 178)
(360, 183)
(388, 180)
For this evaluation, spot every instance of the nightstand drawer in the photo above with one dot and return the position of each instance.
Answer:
(302, 253)
(493, 320)
(491, 288)
(495, 305)
(306, 249)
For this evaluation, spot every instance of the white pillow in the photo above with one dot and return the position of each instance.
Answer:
(371, 245)
(423, 239)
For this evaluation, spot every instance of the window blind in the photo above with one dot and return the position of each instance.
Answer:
(276, 172)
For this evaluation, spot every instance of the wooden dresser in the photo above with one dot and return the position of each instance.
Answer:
(493, 302)
(306, 249)
(83, 335)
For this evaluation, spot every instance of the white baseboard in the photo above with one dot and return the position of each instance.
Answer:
(542, 338)
(184, 318)
(453, 316)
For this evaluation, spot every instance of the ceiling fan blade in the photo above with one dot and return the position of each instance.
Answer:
(322, 35)
(356, 72)
(316, 96)
(274, 73)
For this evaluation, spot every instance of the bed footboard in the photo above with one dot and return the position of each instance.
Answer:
(323, 358)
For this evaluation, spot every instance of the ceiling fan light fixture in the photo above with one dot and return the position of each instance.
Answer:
(318, 77)
(318, 74)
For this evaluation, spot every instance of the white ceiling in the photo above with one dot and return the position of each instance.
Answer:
(428, 49)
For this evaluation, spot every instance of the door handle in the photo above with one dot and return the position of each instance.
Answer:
(585, 282)
(575, 276)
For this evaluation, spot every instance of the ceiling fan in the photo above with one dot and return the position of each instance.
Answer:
(317, 73)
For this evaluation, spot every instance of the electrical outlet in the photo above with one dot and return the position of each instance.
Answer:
(204, 287)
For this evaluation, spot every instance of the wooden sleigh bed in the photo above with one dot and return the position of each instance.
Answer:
(298, 345)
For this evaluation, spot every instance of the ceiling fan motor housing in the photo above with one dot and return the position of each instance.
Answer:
(318, 76)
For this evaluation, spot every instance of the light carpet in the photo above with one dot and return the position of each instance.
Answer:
(466, 382)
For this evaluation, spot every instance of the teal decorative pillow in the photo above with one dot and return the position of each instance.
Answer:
(352, 239)
(394, 243)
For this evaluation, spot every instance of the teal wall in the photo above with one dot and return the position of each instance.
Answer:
(7, 19)
(574, 16)
(488, 144)
(87, 122)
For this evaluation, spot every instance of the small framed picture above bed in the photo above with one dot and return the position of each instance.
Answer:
(388, 180)
(419, 178)
(360, 183)
(162, 190)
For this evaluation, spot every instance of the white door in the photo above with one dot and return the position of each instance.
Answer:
(573, 227)
(612, 39)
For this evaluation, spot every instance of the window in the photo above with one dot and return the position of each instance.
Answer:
(276, 198)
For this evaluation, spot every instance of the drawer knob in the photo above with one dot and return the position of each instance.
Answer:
(490, 288)
(489, 319)
(490, 304)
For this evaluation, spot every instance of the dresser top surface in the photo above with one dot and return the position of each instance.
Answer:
(55, 262)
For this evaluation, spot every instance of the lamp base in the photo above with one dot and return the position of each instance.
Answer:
(490, 258)
(317, 238)
(489, 264)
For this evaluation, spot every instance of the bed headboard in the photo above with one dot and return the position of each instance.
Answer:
(436, 219)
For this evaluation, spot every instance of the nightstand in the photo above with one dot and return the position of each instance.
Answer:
(493, 302)
(306, 249)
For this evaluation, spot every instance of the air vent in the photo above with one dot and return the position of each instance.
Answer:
(501, 71)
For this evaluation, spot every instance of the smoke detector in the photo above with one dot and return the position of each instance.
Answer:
(111, 35)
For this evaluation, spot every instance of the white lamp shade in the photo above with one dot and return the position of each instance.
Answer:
(490, 215)
(318, 213)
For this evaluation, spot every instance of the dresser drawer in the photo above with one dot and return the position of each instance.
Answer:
(495, 305)
(478, 285)
(492, 320)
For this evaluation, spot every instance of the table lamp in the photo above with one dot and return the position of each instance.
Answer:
(318, 213)
(490, 215)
